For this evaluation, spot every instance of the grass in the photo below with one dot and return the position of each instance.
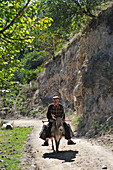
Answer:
(11, 147)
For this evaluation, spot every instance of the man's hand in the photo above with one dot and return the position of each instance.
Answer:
(51, 120)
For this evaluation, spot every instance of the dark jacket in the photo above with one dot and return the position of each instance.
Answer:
(55, 111)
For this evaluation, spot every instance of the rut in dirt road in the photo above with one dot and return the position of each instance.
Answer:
(82, 156)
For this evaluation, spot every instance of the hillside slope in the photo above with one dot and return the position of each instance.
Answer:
(82, 75)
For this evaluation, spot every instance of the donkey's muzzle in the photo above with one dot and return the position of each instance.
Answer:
(61, 128)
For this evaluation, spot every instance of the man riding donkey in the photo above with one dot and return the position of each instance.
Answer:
(56, 110)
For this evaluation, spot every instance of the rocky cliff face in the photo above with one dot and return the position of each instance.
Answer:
(82, 75)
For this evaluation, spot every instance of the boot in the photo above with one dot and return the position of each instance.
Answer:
(45, 144)
(70, 142)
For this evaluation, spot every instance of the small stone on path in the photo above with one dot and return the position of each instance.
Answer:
(104, 167)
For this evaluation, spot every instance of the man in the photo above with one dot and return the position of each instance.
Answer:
(56, 110)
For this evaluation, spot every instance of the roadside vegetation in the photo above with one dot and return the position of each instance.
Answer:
(11, 147)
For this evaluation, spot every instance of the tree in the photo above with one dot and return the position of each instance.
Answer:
(69, 12)
(34, 59)
(17, 21)
(48, 41)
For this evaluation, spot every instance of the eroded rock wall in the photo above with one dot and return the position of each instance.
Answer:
(82, 73)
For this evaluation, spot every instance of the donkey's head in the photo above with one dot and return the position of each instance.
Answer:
(59, 124)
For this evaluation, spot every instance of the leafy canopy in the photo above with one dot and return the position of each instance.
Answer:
(17, 21)
(68, 12)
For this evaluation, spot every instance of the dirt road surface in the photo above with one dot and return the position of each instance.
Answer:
(84, 155)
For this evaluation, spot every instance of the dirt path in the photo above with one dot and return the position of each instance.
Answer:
(82, 156)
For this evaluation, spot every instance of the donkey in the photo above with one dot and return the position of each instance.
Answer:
(57, 131)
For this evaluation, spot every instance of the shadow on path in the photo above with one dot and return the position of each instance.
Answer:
(67, 156)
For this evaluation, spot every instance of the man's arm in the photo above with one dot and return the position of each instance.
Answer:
(49, 116)
(63, 114)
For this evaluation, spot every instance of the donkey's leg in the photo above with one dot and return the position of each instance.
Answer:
(52, 144)
(57, 145)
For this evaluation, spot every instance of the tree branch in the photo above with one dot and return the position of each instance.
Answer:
(15, 39)
(1, 32)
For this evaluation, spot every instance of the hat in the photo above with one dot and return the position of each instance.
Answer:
(56, 97)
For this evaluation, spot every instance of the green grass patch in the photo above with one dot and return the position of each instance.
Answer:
(11, 147)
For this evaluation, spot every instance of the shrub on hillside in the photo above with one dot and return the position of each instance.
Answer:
(33, 60)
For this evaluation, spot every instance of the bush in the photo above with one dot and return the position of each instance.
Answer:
(30, 75)
(33, 59)
(58, 48)
(19, 75)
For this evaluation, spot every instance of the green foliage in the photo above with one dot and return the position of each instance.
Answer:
(46, 44)
(70, 13)
(16, 25)
(30, 75)
(48, 41)
(69, 17)
(11, 146)
(25, 76)
(58, 47)
(33, 59)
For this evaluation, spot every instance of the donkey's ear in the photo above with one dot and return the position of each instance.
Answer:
(54, 124)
